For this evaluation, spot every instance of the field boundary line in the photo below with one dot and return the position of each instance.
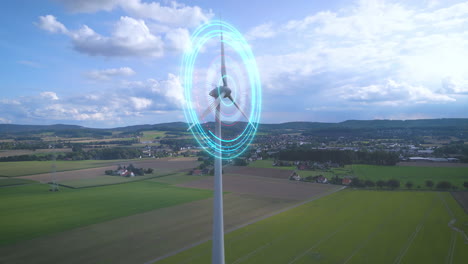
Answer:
(411, 238)
(246, 224)
(454, 219)
(453, 241)
(377, 230)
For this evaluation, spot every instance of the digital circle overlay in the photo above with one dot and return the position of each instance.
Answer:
(233, 141)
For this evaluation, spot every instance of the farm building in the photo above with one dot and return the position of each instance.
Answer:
(346, 181)
(295, 177)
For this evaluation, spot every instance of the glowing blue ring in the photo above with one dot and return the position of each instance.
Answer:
(229, 148)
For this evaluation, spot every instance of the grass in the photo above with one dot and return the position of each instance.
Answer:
(349, 227)
(9, 182)
(101, 180)
(417, 175)
(23, 168)
(151, 135)
(32, 211)
(141, 237)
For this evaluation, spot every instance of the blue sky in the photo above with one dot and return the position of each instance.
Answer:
(114, 63)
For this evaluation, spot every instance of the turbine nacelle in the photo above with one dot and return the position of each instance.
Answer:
(216, 92)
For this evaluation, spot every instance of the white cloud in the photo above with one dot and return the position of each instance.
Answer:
(140, 103)
(454, 86)
(49, 95)
(368, 42)
(392, 93)
(107, 74)
(130, 37)
(261, 31)
(131, 103)
(5, 120)
(49, 23)
(30, 63)
(170, 90)
(178, 39)
(174, 14)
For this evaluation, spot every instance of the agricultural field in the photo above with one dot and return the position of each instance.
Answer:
(152, 135)
(17, 152)
(350, 227)
(22, 168)
(418, 175)
(134, 222)
(179, 178)
(5, 181)
(31, 211)
(269, 164)
(258, 171)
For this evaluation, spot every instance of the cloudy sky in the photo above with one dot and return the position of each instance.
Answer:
(107, 63)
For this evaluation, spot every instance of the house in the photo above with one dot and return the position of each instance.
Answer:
(320, 179)
(126, 173)
(295, 177)
(346, 181)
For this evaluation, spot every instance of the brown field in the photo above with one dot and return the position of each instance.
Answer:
(432, 164)
(462, 199)
(184, 159)
(263, 186)
(142, 237)
(262, 172)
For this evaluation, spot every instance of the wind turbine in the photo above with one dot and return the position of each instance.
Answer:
(213, 143)
(219, 93)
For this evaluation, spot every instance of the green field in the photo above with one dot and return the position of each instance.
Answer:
(151, 135)
(350, 227)
(418, 175)
(32, 211)
(23, 168)
(9, 181)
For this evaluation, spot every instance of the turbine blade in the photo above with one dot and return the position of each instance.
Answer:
(223, 63)
(242, 112)
(210, 108)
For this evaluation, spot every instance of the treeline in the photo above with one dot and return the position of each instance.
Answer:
(395, 184)
(177, 144)
(93, 154)
(458, 149)
(342, 157)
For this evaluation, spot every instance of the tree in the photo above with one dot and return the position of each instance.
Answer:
(369, 183)
(444, 185)
(409, 184)
(381, 184)
(429, 184)
(465, 184)
(240, 162)
(393, 184)
(356, 182)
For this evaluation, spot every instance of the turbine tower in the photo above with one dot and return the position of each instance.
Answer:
(213, 142)
(219, 93)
